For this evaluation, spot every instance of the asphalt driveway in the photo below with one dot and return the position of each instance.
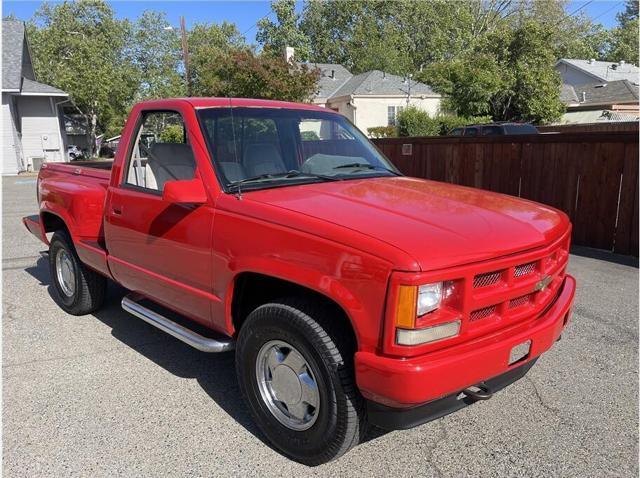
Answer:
(109, 395)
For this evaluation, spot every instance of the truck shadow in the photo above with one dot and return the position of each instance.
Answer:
(215, 373)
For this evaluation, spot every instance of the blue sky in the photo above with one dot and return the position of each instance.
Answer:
(246, 13)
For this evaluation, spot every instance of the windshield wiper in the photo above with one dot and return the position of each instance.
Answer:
(235, 186)
(367, 166)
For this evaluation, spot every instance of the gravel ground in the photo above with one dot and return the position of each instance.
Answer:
(109, 395)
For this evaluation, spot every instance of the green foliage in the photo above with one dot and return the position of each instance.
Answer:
(309, 136)
(245, 74)
(415, 122)
(79, 47)
(172, 134)
(156, 56)
(624, 38)
(383, 132)
(285, 32)
(509, 76)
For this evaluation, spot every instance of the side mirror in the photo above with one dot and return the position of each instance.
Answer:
(184, 192)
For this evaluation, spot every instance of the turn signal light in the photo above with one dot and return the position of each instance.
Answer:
(427, 335)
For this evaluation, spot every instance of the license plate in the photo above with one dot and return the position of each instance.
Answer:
(519, 352)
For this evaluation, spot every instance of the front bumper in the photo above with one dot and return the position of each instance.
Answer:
(409, 383)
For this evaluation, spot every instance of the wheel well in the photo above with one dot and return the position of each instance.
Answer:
(251, 290)
(53, 223)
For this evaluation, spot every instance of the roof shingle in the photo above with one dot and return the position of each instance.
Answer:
(605, 70)
(12, 48)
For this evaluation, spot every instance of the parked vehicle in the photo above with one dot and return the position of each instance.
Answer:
(74, 152)
(353, 295)
(107, 151)
(494, 129)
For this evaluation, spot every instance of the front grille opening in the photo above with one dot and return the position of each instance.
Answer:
(524, 269)
(486, 279)
(480, 314)
(520, 301)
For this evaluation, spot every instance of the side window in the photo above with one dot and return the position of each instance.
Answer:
(491, 130)
(161, 152)
(471, 132)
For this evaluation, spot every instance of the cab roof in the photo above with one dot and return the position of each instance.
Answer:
(237, 102)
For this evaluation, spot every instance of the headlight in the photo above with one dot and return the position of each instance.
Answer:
(429, 298)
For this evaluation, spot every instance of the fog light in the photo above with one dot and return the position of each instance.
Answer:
(429, 334)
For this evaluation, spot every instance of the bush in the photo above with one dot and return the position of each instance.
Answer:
(172, 134)
(416, 122)
(383, 132)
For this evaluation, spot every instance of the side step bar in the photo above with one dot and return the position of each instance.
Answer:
(189, 337)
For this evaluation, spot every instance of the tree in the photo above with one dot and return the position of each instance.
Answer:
(209, 46)
(509, 76)
(243, 73)
(79, 48)
(624, 38)
(155, 53)
(285, 32)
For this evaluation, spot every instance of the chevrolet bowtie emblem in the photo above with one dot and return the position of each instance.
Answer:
(542, 284)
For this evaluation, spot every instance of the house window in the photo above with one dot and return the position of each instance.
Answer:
(392, 114)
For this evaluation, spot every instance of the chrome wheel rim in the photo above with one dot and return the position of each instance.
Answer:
(65, 273)
(287, 385)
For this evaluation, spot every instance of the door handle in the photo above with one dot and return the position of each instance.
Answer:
(116, 210)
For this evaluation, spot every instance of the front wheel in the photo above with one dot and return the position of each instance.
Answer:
(295, 370)
(80, 290)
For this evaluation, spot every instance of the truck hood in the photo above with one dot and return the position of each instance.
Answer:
(437, 224)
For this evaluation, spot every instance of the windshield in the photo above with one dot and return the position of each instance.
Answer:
(267, 147)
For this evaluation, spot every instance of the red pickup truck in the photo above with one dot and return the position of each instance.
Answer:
(352, 295)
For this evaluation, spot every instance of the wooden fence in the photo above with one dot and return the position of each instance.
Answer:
(593, 177)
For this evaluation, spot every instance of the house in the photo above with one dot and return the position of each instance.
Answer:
(581, 72)
(370, 99)
(32, 129)
(599, 101)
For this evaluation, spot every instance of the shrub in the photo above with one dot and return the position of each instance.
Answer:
(416, 122)
(172, 134)
(383, 132)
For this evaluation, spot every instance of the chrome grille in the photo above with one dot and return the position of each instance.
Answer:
(482, 313)
(486, 279)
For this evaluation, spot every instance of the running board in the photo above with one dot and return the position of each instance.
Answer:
(189, 337)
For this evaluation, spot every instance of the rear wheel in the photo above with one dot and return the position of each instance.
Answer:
(295, 370)
(79, 289)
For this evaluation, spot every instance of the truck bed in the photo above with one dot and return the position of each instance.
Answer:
(96, 169)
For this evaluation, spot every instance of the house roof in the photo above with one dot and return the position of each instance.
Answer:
(17, 70)
(332, 77)
(12, 47)
(604, 70)
(568, 94)
(603, 93)
(35, 88)
(376, 82)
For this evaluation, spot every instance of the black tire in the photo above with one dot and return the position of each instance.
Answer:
(89, 291)
(310, 328)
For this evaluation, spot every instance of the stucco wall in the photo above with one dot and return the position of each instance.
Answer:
(370, 112)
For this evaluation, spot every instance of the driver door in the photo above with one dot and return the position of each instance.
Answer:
(159, 249)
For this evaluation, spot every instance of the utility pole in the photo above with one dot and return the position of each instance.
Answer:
(185, 54)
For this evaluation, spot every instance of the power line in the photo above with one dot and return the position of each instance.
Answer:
(581, 8)
(256, 23)
(604, 13)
